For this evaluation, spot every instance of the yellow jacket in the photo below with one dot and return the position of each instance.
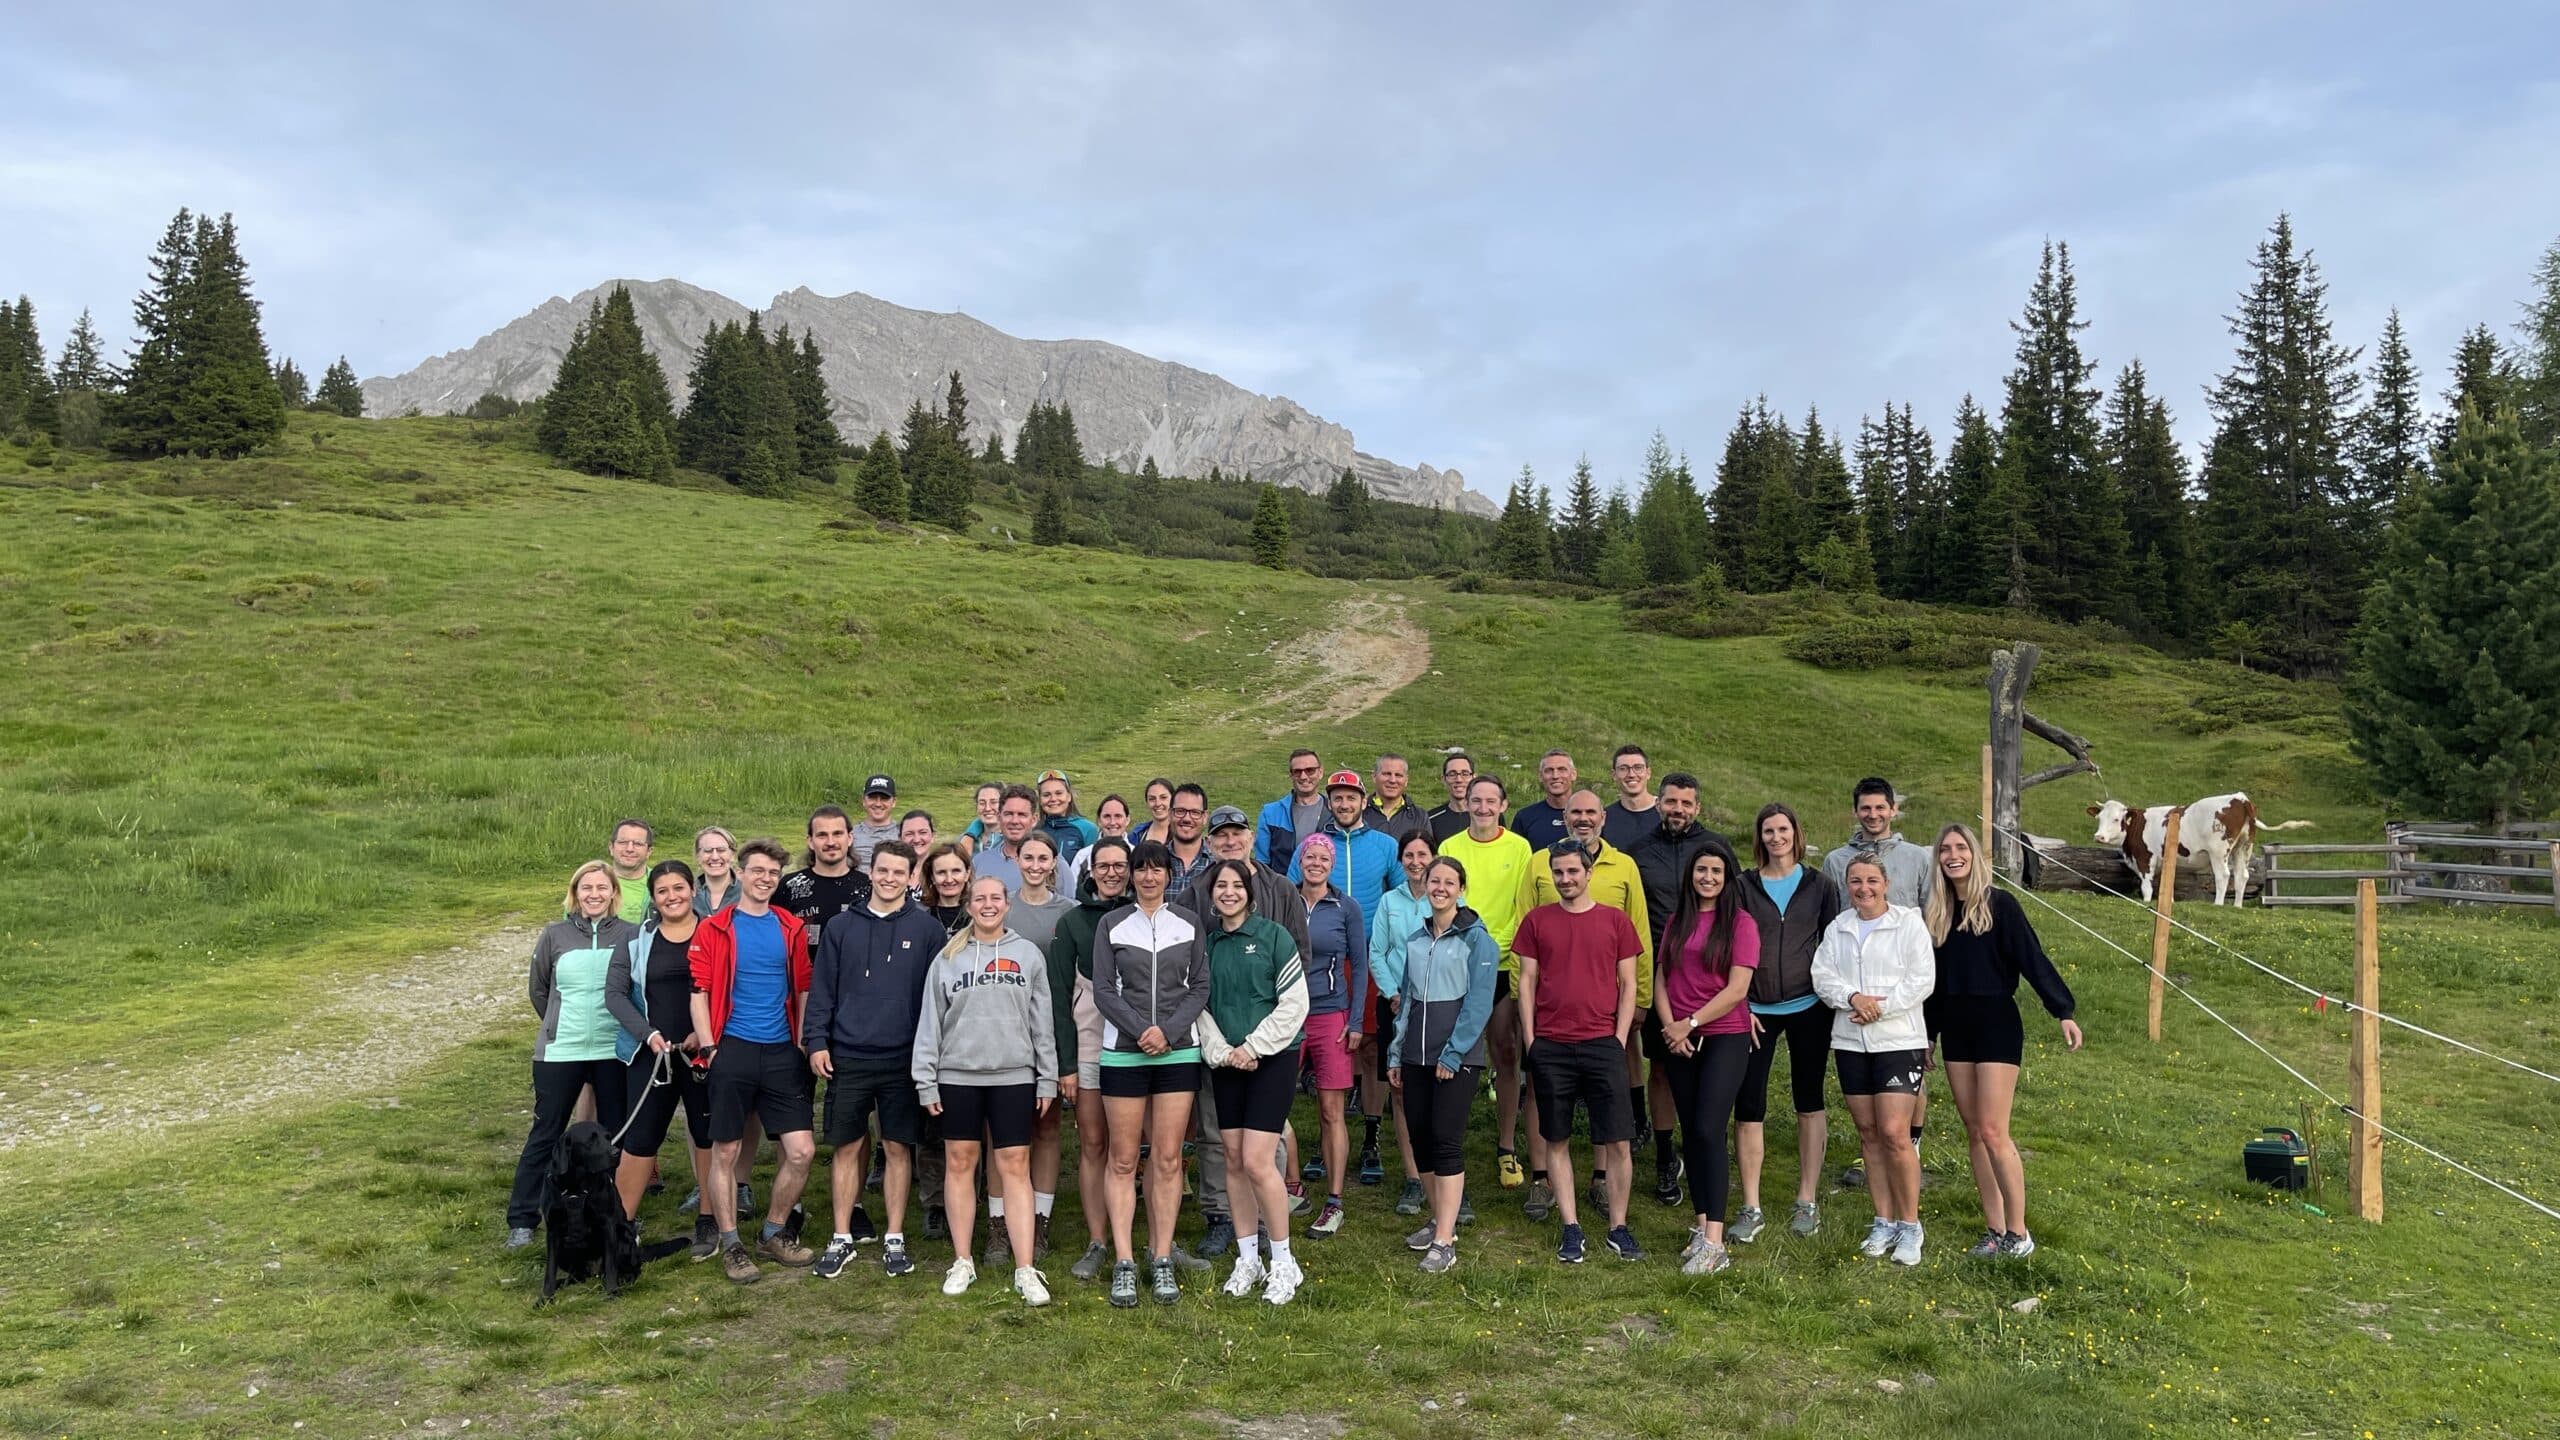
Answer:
(1615, 882)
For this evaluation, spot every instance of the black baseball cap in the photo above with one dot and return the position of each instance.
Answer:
(880, 785)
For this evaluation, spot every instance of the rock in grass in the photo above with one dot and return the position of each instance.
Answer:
(2028, 1306)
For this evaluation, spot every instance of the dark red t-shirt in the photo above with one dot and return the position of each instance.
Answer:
(1577, 959)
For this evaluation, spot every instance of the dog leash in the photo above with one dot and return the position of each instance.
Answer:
(661, 1072)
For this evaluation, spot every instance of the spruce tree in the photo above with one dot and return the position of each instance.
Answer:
(2151, 473)
(2389, 448)
(225, 402)
(1924, 512)
(1521, 547)
(1348, 498)
(921, 437)
(1049, 520)
(769, 437)
(1877, 460)
(1578, 535)
(1974, 548)
(292, 386)
(26, 386)
(1270, 528)
(340, 393)
(1065, 457)
(994, 453)
(141, 410)
(1670, 518)
(2454, 695)
(1735, 505)
(879, 487)
(710, 436)
(1831, 507)
(1146, 488)
(955, 412)
(813, 412)
(2065, 515)
(608, 411)
(2538, 355)
(2483, 379)
(2276, 475)
(83, 365)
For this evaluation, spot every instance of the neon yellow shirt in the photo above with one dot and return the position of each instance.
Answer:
(1498, 873)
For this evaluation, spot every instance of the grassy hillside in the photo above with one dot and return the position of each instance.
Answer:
(278, 726)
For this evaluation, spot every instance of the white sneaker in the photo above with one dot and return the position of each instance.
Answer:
(1247, 1274)
(1286, 1277)
(1697, 1241)
(1031, 1286)
(1906, 1246)
(1880, 1238)
(962, 1274)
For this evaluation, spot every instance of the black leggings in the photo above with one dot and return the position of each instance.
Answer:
(1808, 1036)
(1435, 1111)
(556, 1084)
(1703, 1086)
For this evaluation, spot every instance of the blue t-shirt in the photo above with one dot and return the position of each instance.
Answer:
(757, 1009)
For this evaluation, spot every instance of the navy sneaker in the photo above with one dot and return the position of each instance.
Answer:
(1570, 1249)
(1622, 1243)
(1220, 1239)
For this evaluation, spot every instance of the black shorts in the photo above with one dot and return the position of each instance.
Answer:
(647, 1134)
(770, 1081)
(1979, 1030)
(1004, 1114)
(1591, 1074)
(1650, 1037)
(1882, 1072)
(1137, 1082)
(861, 1090)
(1501, 986)
(1256, 1099)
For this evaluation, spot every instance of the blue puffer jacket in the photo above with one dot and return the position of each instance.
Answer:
(1364, 863)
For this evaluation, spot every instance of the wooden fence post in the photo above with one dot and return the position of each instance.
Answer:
(2555, 877)
(2364, 1062)
(1988, 852)
(2164, 898)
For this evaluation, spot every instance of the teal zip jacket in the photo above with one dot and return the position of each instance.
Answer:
(571, 962)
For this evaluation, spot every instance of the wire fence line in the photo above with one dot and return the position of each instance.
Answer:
(2323, 996)
(2314, 1086)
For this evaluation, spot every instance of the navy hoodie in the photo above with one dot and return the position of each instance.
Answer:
(866, 986)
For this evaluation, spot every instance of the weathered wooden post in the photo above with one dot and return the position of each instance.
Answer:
(2164, 898)
(2555, 877)
(2364, 1062)
(2011, 672)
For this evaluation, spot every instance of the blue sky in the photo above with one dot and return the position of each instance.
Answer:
(1479, 235)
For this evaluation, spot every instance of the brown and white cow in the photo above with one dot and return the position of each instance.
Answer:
(2224, 827)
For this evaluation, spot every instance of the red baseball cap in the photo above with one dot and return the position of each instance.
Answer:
(1345, 780)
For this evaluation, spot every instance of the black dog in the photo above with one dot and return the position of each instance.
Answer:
(588, 1235)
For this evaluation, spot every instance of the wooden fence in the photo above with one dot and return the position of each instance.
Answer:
(2414, 864)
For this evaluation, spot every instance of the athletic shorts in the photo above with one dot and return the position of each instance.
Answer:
(1382, 1041)
(1137, 1082)
(1256, 1099)
(1979, 1030)
(1004, 1114)
(1649, 1035)
(1882, 1072)
(657, 1106)
(770, 1081)
(1591, 1074)
(1321, 1053)
(862, 1090)
(1501, 986)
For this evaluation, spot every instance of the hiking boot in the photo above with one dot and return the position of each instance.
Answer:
(1410, 1202)
(962, 1274)
(1298, 1201)
(1746, 1225)
(1622, 1243)
(1855, 1177)
(519, 1236)
(1439, 1259)
(838, 1254)
(1807, 1221)
(1312, 1171)
(1220, 1239)
(1880, 1238)
(781, 1249)
(1466, 1210)
(1541, 1201)
(1373, 1171)
(1247, 1274)
(1039, 1238)
(1031, 1285)
(999, 1244)
(1089, 1266)
(861, 1228)
(1570, 1249)
(2014, 1246)
(1986, 1248)
(1183, 1259)
(1167, 1289)
(1328, 1221)
(1506, 1169)
(937, 1223)
(1286, 1277)
(1906, 1246)
(739, 1266)
(1421, 1239)
(706, 1237)
(1708, 1259)
(1124, 1284)
(1666, 1181)
(692, 1201)
(894, 1259)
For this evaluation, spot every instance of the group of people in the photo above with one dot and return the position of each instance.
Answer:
(1177, 980)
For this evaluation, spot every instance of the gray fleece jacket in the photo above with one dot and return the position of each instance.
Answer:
(986, 1019)
(1906, 867)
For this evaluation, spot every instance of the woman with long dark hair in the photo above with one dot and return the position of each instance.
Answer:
(1710, 951)
(1158, 826)
(1257, 996)
(650, 990)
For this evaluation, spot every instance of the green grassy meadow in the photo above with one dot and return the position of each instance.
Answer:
(272, 726)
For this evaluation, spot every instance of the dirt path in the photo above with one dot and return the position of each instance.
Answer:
(437, 1001)
(1372, 651)
(332, 1054)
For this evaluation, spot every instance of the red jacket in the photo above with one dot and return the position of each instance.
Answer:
(714, 957)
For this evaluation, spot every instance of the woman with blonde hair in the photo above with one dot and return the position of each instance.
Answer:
(1984, 945)
(715, 863)
(577, 1044)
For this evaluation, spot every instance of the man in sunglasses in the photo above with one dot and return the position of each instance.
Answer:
(1294, 816)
